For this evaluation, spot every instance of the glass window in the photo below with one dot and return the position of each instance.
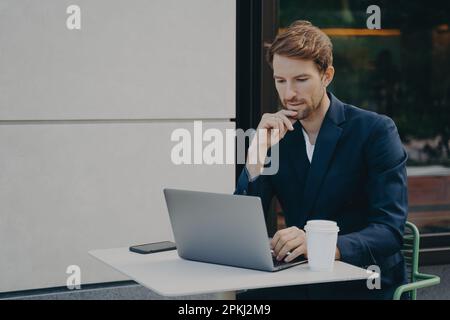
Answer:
(401, 70)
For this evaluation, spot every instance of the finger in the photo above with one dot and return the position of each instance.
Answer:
(279, 234)
(273, 136)
(276, 132)
(296, 253)
(282, 242)
(289, 246)
(287, 235)
(270, 124)
(276, 238)
(282, 126)
(261, 136)
(290, 114)
(287, 122)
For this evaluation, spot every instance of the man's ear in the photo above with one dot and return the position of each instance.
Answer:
(328, 76)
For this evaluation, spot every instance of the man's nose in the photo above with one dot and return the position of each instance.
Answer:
(290, 93)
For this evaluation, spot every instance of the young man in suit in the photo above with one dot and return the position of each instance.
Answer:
(336, 162)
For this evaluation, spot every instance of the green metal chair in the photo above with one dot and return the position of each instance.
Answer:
(410, 251)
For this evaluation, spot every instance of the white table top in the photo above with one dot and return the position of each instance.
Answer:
(169, 275)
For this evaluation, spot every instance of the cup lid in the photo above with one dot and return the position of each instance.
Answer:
(322, 225)
(322, 229)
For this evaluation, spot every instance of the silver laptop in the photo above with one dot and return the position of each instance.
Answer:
(222, 229)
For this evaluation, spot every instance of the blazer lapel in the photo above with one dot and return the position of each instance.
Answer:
(327, 139)
(297, 152)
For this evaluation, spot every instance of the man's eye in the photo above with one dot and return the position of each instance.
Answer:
(302, 80)
(280, 81)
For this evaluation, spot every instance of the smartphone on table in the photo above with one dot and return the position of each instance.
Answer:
(154, 247)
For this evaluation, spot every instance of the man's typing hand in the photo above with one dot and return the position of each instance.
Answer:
(292, 240)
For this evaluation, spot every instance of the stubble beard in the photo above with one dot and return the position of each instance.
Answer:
(310, 108)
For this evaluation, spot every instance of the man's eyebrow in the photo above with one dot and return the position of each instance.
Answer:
(298, 76)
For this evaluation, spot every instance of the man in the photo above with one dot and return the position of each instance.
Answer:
(336, 162)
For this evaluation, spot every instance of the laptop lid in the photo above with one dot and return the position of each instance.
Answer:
(219, 228)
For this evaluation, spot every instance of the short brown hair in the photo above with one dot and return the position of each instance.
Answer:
(302, 40)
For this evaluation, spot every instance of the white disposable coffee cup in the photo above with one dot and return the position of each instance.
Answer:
(321, 240)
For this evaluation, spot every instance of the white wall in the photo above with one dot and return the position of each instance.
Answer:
(131, 59)
(84, 150)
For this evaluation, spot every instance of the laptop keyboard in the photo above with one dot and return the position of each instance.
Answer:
(277, 263)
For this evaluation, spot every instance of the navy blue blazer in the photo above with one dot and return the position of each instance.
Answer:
(357, 178)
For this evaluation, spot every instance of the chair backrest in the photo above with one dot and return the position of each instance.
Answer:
(410, 250)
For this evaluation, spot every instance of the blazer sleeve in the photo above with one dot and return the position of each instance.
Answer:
(387, 192)
(261, 187)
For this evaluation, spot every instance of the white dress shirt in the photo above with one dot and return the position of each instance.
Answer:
(309, 146)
